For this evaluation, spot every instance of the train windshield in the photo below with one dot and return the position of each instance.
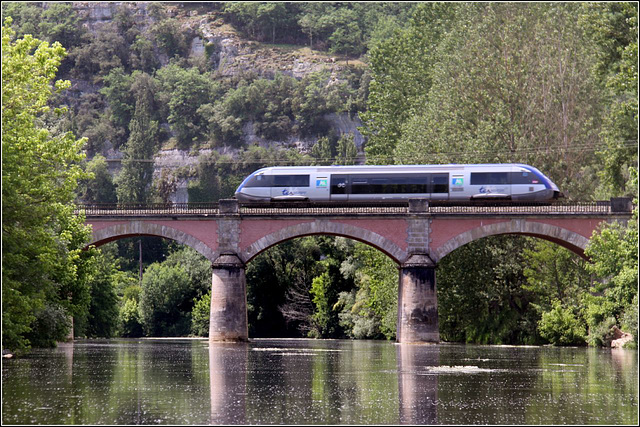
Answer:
(278, 181)
(259, 181)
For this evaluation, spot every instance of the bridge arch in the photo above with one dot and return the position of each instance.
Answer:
(142, 228)
(573, 241)
(327, 227)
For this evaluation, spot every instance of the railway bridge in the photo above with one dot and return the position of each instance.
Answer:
(416, 235)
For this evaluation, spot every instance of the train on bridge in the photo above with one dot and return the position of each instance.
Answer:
(451, 183)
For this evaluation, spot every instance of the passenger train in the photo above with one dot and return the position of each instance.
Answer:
(455, 183)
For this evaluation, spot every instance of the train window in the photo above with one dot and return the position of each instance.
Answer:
(524, 178)
(440, 183)
(489, 178)
(403, 184)
(260, 181)
(291, 180)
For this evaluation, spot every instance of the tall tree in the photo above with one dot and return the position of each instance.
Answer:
(134, 180)
(613, 29)
(401, 68)
(512, 83)
(41, 237)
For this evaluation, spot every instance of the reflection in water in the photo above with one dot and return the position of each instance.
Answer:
(418, 387)
(188, 382)
(228, 379)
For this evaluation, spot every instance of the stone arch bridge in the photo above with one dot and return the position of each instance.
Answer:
(415, 235)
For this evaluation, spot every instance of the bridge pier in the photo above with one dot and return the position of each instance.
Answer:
(228, 318)
(417, 301)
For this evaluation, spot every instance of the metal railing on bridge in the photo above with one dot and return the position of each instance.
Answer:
(147, 209)
(413, 206)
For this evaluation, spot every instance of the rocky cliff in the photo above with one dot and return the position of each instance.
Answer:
(229, 55)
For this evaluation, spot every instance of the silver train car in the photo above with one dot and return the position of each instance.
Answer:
(470, 182)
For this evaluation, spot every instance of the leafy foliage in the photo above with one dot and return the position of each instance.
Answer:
(502, 92)
(42, 267)
(134, 180)
(561, 327)
(546, 84)
(481, 298)
(168, 292)
(613, 29)
(371, 309)
(200, 316)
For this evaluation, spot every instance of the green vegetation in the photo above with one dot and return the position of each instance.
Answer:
(44, 274)
(553, 85)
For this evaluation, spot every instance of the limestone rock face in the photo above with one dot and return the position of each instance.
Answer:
(228, 54)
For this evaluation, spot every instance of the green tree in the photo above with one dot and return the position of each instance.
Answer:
(61, 23)
(279, 281)
(511, 83)
(26, 18)
(481, 298)
(169, 291)
(136, 175)
(129, 318)
(270, 14)
(100, 188)
(42, 264)
(201, 315)
(162, 307)
(402, 69)
(613, 251)
(347, 37)
(613, 30)
(560, 326)
(372, 310)
(117, 91)
(102, 313)
(185, 91)
(555, 274)
(214, 178)
(170, 37)
(346, 150)
(558, 281)
(105, 51)
(322, 152)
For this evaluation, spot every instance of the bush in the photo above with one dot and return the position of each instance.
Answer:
(164, 310)
(561, 327)
(200, 316)
(52, 325)
(602, 334)
(130, 325)
(630, 319)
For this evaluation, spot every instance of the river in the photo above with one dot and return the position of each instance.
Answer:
(279, 381)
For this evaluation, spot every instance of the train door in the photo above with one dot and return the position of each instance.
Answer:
(339, 187)
(320, 187)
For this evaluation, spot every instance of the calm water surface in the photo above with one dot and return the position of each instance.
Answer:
(275, 381)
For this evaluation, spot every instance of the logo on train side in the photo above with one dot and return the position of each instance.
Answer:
(457, 181)
(321, 183)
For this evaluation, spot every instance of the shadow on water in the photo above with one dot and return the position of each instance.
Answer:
(418, 395)
(228, 382)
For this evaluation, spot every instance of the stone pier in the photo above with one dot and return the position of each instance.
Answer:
(417, 301)
(228, 320)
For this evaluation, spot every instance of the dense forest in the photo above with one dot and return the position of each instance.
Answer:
(552, 84)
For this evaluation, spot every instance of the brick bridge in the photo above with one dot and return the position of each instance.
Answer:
(416, 235)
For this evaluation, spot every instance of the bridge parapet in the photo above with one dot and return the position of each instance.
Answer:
(226, 207)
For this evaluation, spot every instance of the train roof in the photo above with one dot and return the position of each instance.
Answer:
(393, 168)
